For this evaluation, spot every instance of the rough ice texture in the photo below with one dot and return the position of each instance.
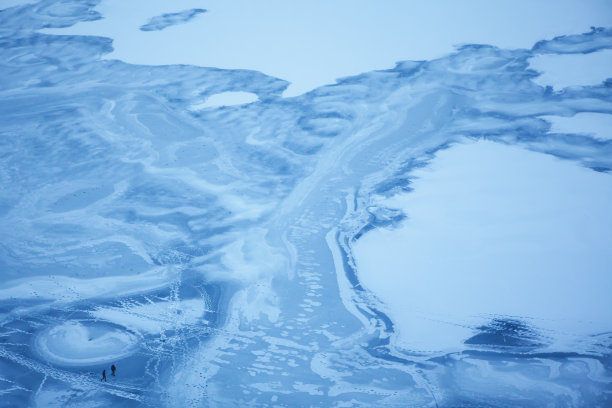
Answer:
(209, 252)
(599, 38)
(166, 20)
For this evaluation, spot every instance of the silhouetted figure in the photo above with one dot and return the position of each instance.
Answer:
(113, 369)
(103, 376)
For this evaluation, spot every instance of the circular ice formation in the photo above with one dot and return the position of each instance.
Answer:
(76, 344)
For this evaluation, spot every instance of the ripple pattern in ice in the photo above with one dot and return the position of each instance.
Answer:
(209, 251)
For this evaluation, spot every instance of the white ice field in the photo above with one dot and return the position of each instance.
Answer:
(189, 192)
(534, 230)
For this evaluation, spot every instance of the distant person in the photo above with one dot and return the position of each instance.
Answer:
(113, 369)
(103, 376)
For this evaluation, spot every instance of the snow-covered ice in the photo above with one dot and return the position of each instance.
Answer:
(594, 124)
(518, 234)
(563, 70)
(73, 343)
(4, 4)
(226, 99)
(220, 242)
(166, 20)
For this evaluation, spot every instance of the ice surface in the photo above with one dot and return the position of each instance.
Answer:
(208, 253)
(154, 318)
(598, 125)
(494, 231)
(563, 70)
(12, 3)
(226, 99)
(73, 343)
(314, 43)
(166, 20)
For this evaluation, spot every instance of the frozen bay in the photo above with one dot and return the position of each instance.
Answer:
(495, 232)
(211, 249)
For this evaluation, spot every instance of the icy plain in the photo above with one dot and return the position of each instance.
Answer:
(435, 234)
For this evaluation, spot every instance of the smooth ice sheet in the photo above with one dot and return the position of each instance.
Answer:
(4, 4)
(560, 71)
(494, 230)
(598, 125)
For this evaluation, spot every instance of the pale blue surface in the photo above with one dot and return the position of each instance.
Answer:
(115, 196)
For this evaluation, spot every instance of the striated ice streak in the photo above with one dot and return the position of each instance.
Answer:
(209, 252)
(166, 20)
(599, 38)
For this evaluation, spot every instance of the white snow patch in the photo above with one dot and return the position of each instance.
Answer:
(598, 125)
(153, 318)
(226, 99)
(560, 71)
(66, 289)
(494, 230)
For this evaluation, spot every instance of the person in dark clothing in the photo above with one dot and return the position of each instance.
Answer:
(113, 369)
(103, 376)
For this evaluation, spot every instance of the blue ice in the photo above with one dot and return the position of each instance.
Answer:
(166, 20)
(207, 253)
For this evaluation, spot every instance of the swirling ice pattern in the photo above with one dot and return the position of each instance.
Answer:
(195, 247)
